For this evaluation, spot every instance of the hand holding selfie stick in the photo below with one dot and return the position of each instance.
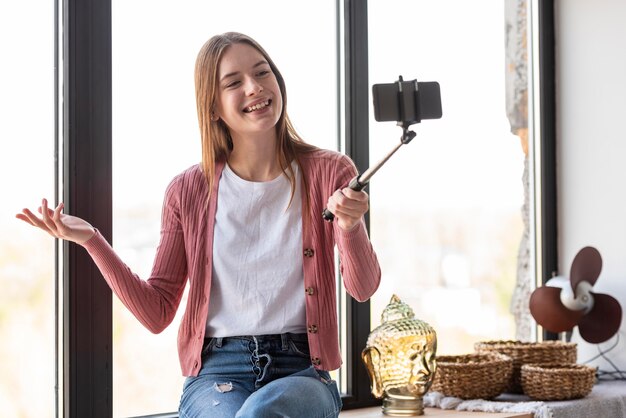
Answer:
(406, 102)
(358, 183)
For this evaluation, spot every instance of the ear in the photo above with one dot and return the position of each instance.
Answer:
(215, 115)
(371, 358)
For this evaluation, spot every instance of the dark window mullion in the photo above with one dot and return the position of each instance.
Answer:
(547, 109)
(547, 104)
(87, 310)
(357, 147)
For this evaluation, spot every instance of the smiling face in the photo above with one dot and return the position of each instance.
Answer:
(248, 97)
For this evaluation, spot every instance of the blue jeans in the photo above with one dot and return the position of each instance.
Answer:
(259, 377)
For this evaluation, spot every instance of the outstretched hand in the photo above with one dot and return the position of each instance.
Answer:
(348, 206)
(58, 224)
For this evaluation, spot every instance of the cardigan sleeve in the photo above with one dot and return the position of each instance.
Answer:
(153, 302)
(358, 262)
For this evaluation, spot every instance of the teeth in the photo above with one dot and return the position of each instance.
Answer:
(257, 106)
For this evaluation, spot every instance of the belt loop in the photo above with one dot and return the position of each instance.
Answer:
(218, 342)
(284, 339)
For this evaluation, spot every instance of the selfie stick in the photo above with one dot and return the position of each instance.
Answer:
(358, 183)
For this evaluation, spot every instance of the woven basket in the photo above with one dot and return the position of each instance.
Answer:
(472, 376)
(524, 353)
(551, 382)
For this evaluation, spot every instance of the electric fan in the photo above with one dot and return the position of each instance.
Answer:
(564, 303)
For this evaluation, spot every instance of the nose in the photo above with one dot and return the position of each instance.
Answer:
(253, 86)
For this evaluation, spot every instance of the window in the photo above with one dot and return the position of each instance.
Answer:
(446, 213)
(87, 304)
(537, 243)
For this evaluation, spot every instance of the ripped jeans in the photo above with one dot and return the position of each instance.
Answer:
(259, 377)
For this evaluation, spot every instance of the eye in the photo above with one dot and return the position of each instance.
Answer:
(232, 84)
(263, 73)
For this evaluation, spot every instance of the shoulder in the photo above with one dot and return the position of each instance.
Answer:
(190, 178)
(189, 175)
(192, 173)
(327, 169)
(325, 159)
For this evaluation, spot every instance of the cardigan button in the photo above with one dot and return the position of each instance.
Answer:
(316, 361)
(309, 291)
(308, 252)
(313, 329)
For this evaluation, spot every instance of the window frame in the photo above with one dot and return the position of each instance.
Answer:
(86, 189)
(86, 309)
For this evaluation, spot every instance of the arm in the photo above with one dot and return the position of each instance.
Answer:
(358, 262)
(154, 302)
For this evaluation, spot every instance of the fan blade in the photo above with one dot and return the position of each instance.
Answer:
(586, 266)
(603, 321)
(546, 307)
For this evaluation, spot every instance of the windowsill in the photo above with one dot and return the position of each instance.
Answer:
(376, 412)
(606, 400)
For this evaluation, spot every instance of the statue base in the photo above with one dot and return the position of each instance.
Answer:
(403, 406)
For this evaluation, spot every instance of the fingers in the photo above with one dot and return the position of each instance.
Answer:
(32, 219)
(22, 216)
(349, 202)
(56, 214)
(354, 195)
(58, 224)
(348, 206)
(56, 218)
(49, 221)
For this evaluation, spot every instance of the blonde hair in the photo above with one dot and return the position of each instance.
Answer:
(215, 136)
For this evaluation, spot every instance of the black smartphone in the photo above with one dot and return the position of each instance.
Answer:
(407, 101)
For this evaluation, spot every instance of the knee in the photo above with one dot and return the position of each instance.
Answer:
(262, 404)
(255, 407)
(292, 397)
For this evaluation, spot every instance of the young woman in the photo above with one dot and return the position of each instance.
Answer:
(244, 227)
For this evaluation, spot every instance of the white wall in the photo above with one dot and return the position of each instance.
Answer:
(591, 146)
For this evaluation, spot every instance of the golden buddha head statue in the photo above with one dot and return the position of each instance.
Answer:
(400, 359)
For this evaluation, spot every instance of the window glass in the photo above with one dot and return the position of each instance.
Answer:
(27, 260)
(155, 137)
(446, 216)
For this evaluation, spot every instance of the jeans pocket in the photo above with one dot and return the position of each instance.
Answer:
(207, 347)
(300, 347)
(332, 387)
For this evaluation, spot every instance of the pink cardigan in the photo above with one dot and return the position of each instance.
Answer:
(186, 248)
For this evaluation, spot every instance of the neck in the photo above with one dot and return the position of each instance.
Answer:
(255, 159)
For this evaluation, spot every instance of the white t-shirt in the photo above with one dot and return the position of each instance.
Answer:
(257, 284)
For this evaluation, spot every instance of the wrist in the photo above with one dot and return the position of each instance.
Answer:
(88, 234)
(348, 228)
